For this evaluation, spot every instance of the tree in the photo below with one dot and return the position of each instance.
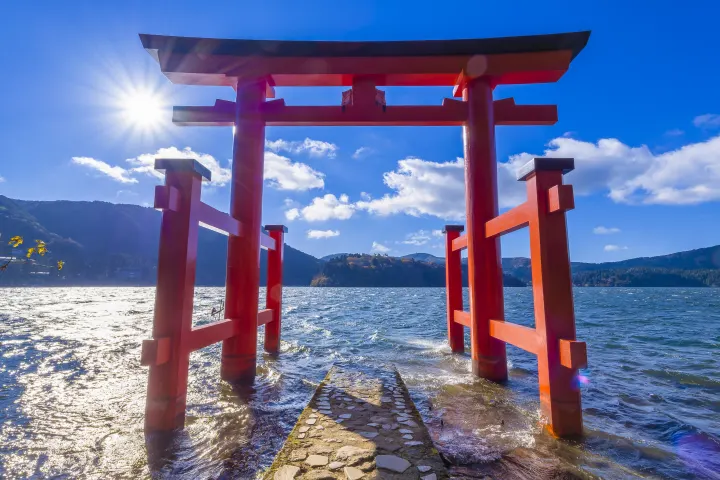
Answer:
(40, 249)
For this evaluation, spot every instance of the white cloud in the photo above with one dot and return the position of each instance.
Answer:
(365, 196)
(605, 230)
(675, 132)
(421, 237)
(379, 248)
(709, 120)
(327, 207)
(1, 179)
(284, 174)
(632, 175)
(145, 163)
(314, 148)
(292, 214)
(422, 188)
(362, 152)
(118, 174)
(322, 233)
(438, 233)
(614, 248)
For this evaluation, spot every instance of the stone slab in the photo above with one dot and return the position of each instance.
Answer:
(368, 444)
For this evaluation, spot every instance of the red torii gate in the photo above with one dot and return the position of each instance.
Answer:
(473, 68)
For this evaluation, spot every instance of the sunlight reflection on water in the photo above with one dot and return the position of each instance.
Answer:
(73, 392)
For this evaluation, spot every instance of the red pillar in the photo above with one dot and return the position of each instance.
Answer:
(273, 294)
(453, 288)
(166, 354)
(481, 201)
(243, 263)
(552, 295)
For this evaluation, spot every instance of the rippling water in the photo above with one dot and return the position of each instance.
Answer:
(72, 391)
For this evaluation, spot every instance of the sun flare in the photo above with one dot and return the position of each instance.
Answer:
(143, 109)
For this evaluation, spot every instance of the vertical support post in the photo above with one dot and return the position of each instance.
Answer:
(481, 203)
(273, 293)
(166, 354)
(239, 352)
(552, 292)
(453, 288)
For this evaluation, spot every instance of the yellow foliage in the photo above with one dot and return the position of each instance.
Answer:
(30, 251)
(60, 264)
(15, 241)
(41, 248)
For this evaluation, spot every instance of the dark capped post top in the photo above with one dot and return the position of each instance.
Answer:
(276, 228)
(453, 228)
(182, 165)
(566, 165)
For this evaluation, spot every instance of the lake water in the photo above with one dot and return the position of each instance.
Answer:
(72, 391)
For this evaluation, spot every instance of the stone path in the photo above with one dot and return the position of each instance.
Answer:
(360, 424)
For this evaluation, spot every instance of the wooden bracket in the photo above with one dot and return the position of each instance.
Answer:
(561, 198)
(155, 352)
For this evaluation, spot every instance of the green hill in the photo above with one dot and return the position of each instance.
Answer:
(110, 244)
(362, 270)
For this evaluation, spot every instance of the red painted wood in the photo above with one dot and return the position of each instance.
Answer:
(365, 115)
(560, 197)
(273, 293)
(264, 317)
(219, 221)
(243, 274)
(206, 335)
(166, 198)
(462, 318)
(508, 113)
(509, 68)
(554, 312)
(484, 270)
(267, 242)
(508, 222)
(453, 291)
(573, 354)
(167, 380)
(518, 335)
(460, 243)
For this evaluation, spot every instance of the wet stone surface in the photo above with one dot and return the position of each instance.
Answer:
(370, 430)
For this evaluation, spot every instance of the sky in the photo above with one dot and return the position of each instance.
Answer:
(639, 110)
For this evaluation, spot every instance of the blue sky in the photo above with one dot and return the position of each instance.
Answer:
(639, 110)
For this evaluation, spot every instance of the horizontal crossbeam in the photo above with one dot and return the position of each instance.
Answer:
(277, 114)
(218, 221)
(450, 113)
(264, 316)
(522, 337)
(207, 335)
(266, 241)
(460, 242)
(508, 222)
(463, 318)
(506, 112)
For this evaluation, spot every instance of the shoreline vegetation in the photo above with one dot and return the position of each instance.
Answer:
(107, 244)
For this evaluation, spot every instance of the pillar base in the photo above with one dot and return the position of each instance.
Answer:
(564, 417)
(238, 368)
(490, 369)
(165, 415)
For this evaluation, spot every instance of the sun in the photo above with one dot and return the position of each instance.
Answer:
(144, 109)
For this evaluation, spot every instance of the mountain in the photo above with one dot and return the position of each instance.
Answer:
(105, 243)
(363, 270)
(111, 244)
(426, 257)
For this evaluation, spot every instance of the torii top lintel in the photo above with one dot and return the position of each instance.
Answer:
(507, 60)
